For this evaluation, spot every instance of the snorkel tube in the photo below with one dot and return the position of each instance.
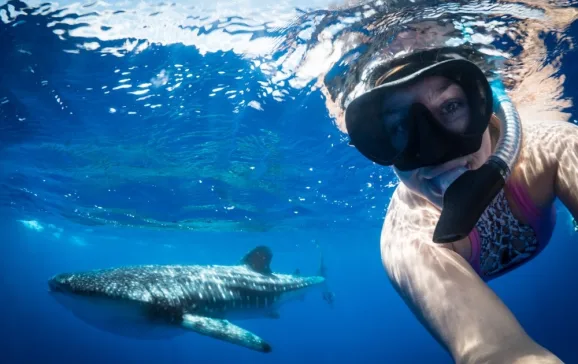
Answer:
(467, 198)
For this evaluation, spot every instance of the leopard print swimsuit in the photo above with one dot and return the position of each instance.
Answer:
(501, 242)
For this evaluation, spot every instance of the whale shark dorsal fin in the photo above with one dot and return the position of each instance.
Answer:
(224, 330)
(259, 259)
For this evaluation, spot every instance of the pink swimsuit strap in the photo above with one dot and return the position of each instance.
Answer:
(541, 220)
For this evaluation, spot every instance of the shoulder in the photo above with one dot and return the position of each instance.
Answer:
(547, 136)
(544, 144)
(407, 209)
(540, 147)
(408, 226)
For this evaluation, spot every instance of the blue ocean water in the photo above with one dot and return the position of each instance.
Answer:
(135, 133)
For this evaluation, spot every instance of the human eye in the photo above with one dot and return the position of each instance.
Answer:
(451, 107)
(454, 114)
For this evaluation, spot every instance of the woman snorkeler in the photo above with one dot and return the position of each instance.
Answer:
(475, 199)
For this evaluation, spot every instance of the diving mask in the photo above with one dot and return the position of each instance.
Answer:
(415, 138)
(423, 141)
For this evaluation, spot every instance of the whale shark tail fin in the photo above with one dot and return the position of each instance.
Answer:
(327, 294)
(322, 268)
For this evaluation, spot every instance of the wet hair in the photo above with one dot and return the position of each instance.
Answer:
(387, 67)
(381, 79)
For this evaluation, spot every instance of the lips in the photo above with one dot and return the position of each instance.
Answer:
(434, 171)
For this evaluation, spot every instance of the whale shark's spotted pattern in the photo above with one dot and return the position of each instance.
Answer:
(199, 298)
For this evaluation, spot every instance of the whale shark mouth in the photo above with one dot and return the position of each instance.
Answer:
(58, 284)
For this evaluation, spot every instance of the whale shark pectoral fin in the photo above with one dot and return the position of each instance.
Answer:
(225, 330)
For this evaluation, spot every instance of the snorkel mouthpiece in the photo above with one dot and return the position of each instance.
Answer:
(468, 197)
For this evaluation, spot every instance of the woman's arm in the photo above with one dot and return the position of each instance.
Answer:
(448, 297)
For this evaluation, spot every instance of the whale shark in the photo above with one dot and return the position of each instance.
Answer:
(161, 301)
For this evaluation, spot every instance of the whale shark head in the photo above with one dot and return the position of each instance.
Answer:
(104, 309)
(66, 288)
(69, 287)
(61, 283)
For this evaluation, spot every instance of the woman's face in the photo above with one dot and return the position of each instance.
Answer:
(448, 103)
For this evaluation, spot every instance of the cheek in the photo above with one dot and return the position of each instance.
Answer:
(482, 155)
(408, 178)
(486, 145)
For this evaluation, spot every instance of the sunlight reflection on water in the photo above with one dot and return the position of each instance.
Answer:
(234, 138)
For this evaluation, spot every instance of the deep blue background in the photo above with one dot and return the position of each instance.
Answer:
(369, 322)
